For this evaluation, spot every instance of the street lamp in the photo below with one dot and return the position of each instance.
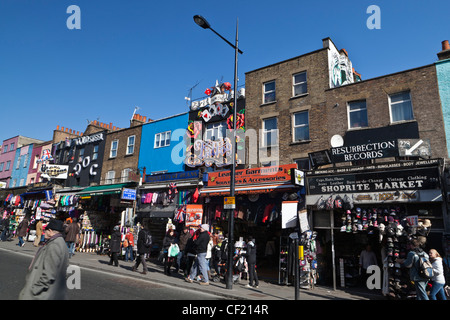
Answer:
(199, 20)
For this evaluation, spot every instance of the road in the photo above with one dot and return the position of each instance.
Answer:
(95, 285)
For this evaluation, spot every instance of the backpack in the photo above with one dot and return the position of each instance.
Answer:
(425, 267)
(329, 203)
(338, 202)
(148, 240)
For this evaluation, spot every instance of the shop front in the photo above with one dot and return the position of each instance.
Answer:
(261, 210)
(383, 205)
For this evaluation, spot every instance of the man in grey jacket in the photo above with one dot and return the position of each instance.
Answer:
(46, 278)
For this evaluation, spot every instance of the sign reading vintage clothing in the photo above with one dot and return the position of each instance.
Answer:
(415, 179)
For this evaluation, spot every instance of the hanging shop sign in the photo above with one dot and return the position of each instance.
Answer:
(53, 171)
(129, 194)
(194, 214)
(298, 177)
(366, 151)
(264, 175)
(419, 178)
(319, 158)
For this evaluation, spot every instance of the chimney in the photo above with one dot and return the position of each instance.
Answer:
(57, 128)
(445, 53)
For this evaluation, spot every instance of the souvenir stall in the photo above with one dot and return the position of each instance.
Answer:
(384, 208)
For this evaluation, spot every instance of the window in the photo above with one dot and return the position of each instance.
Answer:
(32, 181)
(110, 175)
(8, 165)
(1, 166)
(95, 153)
(25, 160)
(114, 147)
(35, 163)
(357, 114)
(22, 182)
(125, 174)
(269, 92)
(303, 164)
(162, 139)
(11, 147)
(299, 84)
(270, 132)
(81, 155)
(130, 144)
(215, 131)
(401, 107)
(14, 183)
(301, 126)
(18, 162)
(5, 149)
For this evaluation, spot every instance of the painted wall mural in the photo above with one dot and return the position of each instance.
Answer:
(209, 133)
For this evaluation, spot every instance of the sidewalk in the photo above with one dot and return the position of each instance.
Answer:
(266, 290)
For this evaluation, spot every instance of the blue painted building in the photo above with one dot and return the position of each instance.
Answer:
(162, 145)
(443, 76)
(21, 165)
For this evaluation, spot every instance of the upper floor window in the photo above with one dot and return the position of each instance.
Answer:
(18, 162)
(401, 107)
(126, 175)
(357, 114)
(270, 132)
(1, 166)
(25, 160)
(301, 126)
(269, 92)
(162, 139)
(130, 144)
(114, 147)
(11, 147)
(215, 131)
(299, 84)
(95, 153)
(110, 176)
(8, 165)
(5, 148)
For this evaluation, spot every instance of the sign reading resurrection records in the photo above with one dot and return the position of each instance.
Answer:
(367, 151)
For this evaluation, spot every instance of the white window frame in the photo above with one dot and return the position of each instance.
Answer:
(399, 102)
(296, 84)
(219, 128)
(300, 126)
(166, 138)
(129, 145)
(110, 176)
(113, 152)
(11, 147)
(18, 162)
(25, 160)
(269, 92)
(8, 165)
(357, 110)
(271, 131)
(126, 174)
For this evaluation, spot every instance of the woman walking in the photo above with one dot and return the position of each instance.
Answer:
(438, 281)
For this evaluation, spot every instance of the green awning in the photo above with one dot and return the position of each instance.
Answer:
(103, 190)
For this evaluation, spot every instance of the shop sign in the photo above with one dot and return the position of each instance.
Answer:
(413, 221)
(424, 178)
(53, 171)
(367, 151)
(194, 214)
(229, 203)
(89, 139)
(298, 177)
(182, 175)
(414, 147)
(129, 194)
(264, 175)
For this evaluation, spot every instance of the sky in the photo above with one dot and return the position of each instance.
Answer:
(150, 54)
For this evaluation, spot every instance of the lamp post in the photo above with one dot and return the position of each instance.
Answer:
(199, 20)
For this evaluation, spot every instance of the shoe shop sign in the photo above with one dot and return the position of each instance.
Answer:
(417, 179)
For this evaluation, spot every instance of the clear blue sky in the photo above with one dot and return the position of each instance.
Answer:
(150, 53)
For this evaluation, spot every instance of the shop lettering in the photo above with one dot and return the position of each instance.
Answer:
(363, 152)
(89, 139)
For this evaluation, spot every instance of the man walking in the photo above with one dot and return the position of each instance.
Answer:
(143, 248)
(201, 247)
(72, 234)
(46, 278)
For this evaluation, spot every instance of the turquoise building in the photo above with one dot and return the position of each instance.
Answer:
(443, 75)
(21, 165)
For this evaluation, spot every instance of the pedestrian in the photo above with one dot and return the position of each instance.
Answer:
(367, 258)
(251, 261)
(168, 240)
(46, 277)
(39, 232)
(438, 281)
(114, 246)
(208, 257)
(182, 241)
(190, 254)
(22, 230)
(142, 250)
(200, 245)
(5, 224)
(72, 234)
(412, 262)
(129, 245)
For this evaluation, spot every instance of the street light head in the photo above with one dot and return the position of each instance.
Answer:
(201, 21)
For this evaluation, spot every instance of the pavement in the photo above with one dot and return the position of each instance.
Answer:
(268, 289)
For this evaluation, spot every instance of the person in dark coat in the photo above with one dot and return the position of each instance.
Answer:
(5, 224)
(22, 230)
(142, 250)
(251, 261)
(182, 241)
(168, 240)
(114, 246)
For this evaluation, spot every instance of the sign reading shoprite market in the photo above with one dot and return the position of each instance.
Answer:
(416, 179)
(366, 151)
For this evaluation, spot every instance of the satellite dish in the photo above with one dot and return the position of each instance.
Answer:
(336, 141)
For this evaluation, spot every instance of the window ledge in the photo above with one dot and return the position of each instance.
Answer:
(300, 142)
(299, 96)
(268, 103)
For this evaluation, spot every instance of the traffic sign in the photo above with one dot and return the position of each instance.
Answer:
(229, 203)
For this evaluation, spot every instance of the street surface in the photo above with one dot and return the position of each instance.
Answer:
(95, 285)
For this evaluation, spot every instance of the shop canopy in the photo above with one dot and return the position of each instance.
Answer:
(248, 189)
(103, 190)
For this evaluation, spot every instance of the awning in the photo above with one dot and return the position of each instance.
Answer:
(103, 190)
(151, 211)
(248, 189)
